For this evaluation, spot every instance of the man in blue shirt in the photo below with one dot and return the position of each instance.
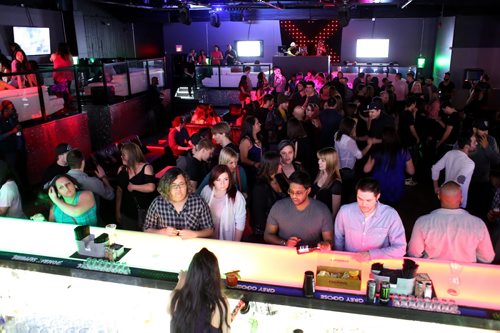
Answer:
(369, 228)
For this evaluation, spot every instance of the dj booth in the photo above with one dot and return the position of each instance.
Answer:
(293, 64)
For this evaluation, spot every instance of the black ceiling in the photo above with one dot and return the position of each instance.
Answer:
(167, 10)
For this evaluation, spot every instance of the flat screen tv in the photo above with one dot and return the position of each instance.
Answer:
(34, 41)
(249, 48)
(372, 48)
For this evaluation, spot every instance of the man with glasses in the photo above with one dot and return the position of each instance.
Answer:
(178, 211)
(299, 219)
(369, 228)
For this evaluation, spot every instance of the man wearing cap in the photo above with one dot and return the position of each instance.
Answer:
(484, 157)
(59, 167)
(376, 122)
(451, 233)
(293, 49)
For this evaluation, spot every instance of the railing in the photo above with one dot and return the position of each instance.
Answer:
(214, 76)
(96, 83)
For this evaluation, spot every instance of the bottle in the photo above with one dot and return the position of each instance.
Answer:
(308, 286)
(243, 306)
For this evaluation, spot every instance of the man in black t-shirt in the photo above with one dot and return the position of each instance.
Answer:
(377, 121)
(330, 122)
(446, 88)
(407, 132)
(449, 122)
(196, 165)
(59, 167)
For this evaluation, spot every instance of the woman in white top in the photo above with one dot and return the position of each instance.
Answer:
(348, 153)
(226, 203)
(345, 144)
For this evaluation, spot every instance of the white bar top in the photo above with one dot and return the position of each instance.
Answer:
(267, 264)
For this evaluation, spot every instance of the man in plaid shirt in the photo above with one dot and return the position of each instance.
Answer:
(177, 211)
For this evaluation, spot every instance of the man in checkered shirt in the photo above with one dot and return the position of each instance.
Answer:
(177, 211)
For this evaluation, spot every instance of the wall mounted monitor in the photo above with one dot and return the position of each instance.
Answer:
(372, 48)
(249, 48)
(34, 41)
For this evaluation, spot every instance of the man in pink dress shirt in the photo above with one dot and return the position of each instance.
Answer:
(451, 233)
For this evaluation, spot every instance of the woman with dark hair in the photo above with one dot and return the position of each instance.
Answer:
(389, 163)
(71, 205)
(202, 57)
(270, 186)
(250, 143)
(228, 156)
(262, 87)
(245, 93)
(303, 146)
(289, 165)
(348, 153)
(20, 64)
(226, 203)
(62, 58)
(197, 303)
(136, 188)
(345, 144)
(327, 186)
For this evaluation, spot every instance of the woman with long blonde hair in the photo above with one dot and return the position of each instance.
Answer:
(327, 186)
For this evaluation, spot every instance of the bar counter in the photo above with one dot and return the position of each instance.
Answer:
(269, 274)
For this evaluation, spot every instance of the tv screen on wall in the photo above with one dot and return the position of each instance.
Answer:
(249, 48)
(372, 48)
(34, 41)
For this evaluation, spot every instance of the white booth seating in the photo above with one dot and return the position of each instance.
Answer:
(27, 102)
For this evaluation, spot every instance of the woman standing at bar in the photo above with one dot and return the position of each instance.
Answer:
(327, 187)
(71, 205)
(197, 303)
(226, 203)
(271, 185)
(136, 188)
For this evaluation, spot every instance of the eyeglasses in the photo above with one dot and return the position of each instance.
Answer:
(178, 186)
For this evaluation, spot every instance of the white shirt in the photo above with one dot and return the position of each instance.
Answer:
(400, 89)
(10, 197)
(458, 167)
(451, 234)
(232, 217)
(348, 151)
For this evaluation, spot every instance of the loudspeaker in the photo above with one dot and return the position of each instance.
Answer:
(214, 20)
(184, 16)
(344, 16)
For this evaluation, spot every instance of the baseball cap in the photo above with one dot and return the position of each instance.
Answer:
(375, 105)
(62, 148)
(480, 124)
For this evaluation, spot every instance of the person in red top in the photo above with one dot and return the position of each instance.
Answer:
(217, 56)
(178, 137)
(62, 58)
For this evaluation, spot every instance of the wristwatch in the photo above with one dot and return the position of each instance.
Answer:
(283, 242)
